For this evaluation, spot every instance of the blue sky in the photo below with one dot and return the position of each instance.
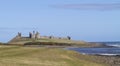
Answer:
(59, 18)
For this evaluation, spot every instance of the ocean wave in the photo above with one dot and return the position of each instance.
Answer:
(106, 54)
(114, 45)
(102, 54)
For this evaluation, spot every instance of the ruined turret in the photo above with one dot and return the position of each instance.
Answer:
(37, 35)
(33, 35)
(30, 35)
(68, 37)
(19, 35)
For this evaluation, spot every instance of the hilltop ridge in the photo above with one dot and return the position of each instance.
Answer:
(36, 37)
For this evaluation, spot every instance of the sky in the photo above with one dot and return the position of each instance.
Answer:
(87, 20)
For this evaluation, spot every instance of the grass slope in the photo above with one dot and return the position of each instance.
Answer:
(27, 56)
(24, 41)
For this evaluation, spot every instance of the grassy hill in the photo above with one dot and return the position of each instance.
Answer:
(51, 42)
(27, 40)
(27, 56)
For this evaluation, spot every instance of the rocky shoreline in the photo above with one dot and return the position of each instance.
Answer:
(107, 60)
(110, 60)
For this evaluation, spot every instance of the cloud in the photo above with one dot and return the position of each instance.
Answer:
(95, 6)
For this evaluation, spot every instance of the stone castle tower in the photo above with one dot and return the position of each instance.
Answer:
(37, 35)
(19, 35)
(34, 35)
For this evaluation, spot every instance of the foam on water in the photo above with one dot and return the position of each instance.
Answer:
(106, 54)
(114, 45)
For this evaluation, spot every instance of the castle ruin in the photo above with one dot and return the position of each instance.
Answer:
(36, 35)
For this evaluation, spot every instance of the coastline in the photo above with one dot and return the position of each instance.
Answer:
(110, 59)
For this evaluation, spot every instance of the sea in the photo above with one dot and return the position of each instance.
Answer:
(113, 49)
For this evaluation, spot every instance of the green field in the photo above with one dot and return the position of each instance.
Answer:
(31, 56)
